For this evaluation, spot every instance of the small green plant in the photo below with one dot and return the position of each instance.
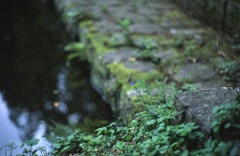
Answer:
(149, 46)
(191, 49)
(215, 147)
(228, 67)
(8, 149)
(124, 24)
(122, 38)
(230, 70)
(104, 8)
(77, 50)
(29, 149)
(226, 120)
(189, 87)
(72, 144)
(179, 42)
(148, 50)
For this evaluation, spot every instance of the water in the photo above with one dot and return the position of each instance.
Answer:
(37, 86)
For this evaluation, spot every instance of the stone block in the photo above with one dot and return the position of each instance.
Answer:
(197, 105)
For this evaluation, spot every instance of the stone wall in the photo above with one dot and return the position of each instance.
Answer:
(131, 40)
(223, 15)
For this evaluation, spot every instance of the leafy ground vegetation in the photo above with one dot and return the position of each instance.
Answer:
(154, 130)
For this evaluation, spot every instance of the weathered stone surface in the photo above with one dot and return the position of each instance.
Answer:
(147, 12)
(145, 28)
(221, 14)
(107, 26)
(107, 3)
(165, 6)
(194, 72)
(126, 12)
(120, 55)
(112, 69)
(210, 84)
(186, 32)
(174, 39)
(142, 42)
(118, 39)
(165, 55)
(197, 105)
(139, 66)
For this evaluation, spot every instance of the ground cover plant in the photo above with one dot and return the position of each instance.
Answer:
(154, 130)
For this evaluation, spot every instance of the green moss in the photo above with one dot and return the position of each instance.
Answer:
(174, 14)
(162, 40)
(99, 68)
(149, 76)
(175, 17)
(72, 5)
(179, 16)
(165, 40)
(89, 25)
(207, 49)
(97, 39)
(143, 36)
(124, 75)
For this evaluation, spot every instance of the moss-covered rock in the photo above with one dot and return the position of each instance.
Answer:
(130, 40)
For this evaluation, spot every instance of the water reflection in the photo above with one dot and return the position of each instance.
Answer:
(36, 85)
(9, 131)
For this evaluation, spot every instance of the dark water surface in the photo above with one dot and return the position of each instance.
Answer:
(37, 86)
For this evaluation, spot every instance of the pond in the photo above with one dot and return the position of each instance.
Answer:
(37, 85)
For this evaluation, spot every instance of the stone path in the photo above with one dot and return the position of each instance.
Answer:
(132, 39)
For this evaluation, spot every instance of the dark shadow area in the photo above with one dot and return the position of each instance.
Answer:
(35, 81)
